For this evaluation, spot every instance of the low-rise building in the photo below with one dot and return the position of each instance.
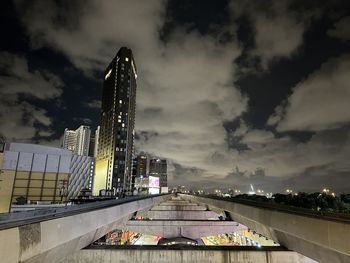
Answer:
(33, 173)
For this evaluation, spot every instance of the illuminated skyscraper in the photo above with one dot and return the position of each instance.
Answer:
(116, 136)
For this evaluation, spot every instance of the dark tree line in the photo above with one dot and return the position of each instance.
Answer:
(315, 201)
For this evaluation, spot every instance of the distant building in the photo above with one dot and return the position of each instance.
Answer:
(69, 140)
(83, 140)
(92, 146)
(158, 167)
(37, 173)
(77, 141)
(97, 135)
(141, 165)
(116, 135)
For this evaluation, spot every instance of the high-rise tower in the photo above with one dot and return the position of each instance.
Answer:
(158, 167)
(116, 137)
(78, 141)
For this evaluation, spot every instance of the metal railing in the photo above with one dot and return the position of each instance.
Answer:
(338, 217)
(17, 219)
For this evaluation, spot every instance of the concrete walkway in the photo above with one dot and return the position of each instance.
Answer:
(180, 218)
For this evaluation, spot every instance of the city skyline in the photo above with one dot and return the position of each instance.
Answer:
(231, 93)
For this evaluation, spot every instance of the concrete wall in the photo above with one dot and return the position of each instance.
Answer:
(189, 229)
(52, 240)
(184, 256)
(172, 215)
(323, 240)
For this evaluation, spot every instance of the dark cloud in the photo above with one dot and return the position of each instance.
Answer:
(21, 120)
(231, 93)
(319, 102)
(341, 30)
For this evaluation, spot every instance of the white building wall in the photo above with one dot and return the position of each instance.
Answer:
(83, 140)
(36, 158)
(81, 174)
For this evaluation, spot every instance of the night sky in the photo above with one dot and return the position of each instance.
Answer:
(232, 93)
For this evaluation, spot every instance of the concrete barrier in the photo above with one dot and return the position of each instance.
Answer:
(51, 240)
(323, 240)
(190, 229)
(146, 254)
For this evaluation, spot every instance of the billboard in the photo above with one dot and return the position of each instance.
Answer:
(153, 191)
(153, 182)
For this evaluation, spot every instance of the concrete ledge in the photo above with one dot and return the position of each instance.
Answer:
(182, 214)
(178, 207)
(323, 240)
(52, 240)
(191, 229)
(167, 254)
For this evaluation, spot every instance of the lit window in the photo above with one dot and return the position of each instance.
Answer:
(123, 124)
(126, 59)
(120, 101)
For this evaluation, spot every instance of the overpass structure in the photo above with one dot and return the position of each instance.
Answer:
(180, 218)
(176, 221)
(322, 238)
(54, 235)
(30, 237)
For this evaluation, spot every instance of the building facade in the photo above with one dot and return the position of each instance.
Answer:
(81, 174)
(97, 135)
(34, 173)
(77, 141)
(158, 167)
(141, 165)
(69, 140)
(116, 135)
(37, 173)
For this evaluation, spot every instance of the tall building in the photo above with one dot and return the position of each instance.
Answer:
(83, 140)
(141, 165)
(69, 140)
(77, 141)
(158, 167)
(116, 136)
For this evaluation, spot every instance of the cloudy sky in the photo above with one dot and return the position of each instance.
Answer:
(232, 93)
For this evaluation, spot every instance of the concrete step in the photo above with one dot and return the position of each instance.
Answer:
(178, 207)
(193, 229)
(187, 214)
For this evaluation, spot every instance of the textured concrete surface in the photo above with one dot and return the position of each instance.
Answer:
(179, 207)
(323, 240)
(51, 240)
(172, 215)
(190, 229)
(184, 256)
